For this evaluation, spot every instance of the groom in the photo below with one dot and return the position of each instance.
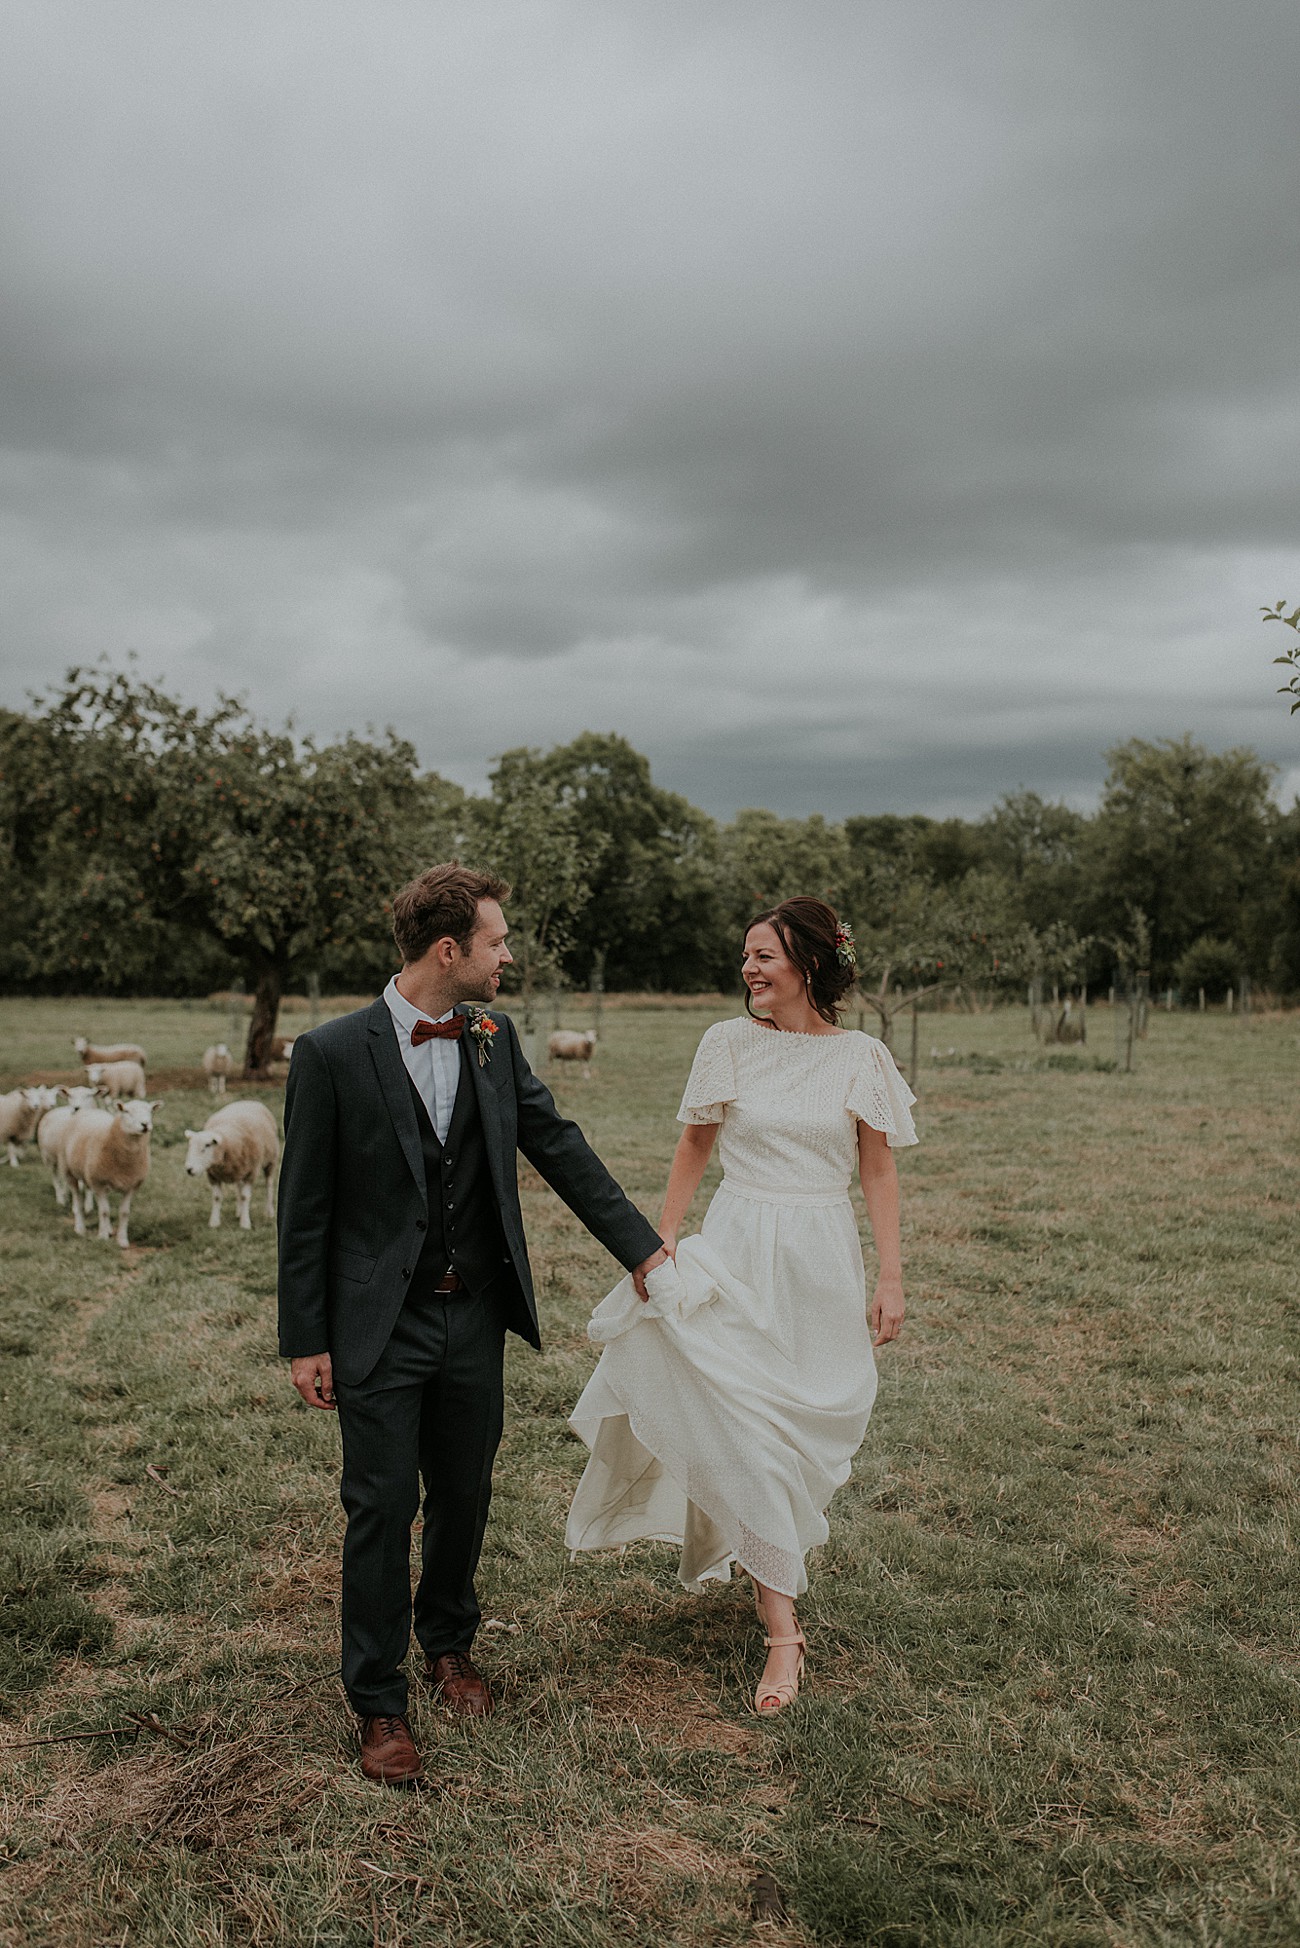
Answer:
(403, 1265)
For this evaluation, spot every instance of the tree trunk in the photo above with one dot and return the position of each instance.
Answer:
(267, 990)
(526, 994)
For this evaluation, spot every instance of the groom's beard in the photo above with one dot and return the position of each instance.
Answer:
(483, 993)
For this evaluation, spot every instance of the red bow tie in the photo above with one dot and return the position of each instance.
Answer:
(438, 1031)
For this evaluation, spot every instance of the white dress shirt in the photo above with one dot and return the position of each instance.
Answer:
(434, 1067)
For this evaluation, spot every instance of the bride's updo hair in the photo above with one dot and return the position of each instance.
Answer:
(807, 928)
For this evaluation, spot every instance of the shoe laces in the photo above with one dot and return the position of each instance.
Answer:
(389, 1723)
(461, 1665)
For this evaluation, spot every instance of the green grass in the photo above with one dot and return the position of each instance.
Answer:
(1054, 1682)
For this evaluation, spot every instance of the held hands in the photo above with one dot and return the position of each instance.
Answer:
(313, 1376)
(659, 1258)
(887, 1310)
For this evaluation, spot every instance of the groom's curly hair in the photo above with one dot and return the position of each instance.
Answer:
(441, 904)
(807, 929)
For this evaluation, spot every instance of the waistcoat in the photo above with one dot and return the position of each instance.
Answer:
(464, 1227)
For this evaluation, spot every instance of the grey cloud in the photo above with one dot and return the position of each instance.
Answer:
(579, 344)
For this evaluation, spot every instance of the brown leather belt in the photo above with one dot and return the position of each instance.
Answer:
(450, 1282)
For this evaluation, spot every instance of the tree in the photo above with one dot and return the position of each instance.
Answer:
(764, 859)
(1184, 834)
(1038, 848)
(1208, 963)
(142, 812)
(939, 851)
(652, 919)
(529, 832)
(920, 939)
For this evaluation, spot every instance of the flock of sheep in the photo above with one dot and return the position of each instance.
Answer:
(96, 1143)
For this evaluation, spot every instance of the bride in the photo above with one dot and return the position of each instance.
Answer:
(727, 1407)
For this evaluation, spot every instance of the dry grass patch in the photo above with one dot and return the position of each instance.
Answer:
(655, 1700)
(235, 1793)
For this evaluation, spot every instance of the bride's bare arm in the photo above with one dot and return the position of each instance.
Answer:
(694, 1148)
(879, 1176)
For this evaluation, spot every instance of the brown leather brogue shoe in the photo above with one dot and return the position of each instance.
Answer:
(461, 1688)
(388, 1752)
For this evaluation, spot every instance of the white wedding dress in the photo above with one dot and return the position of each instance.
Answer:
(724, 1414)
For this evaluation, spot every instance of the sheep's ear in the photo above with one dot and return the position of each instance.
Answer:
(191, 1132)
(158, 1104)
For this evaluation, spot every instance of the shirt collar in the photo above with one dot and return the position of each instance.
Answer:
(404, 1012)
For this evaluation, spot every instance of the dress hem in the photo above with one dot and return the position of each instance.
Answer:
(709, 1574)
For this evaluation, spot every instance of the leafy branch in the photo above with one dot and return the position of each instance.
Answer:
(1291, 658)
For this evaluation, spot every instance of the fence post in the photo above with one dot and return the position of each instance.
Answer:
(1231, 998)
(313, 998)
(1201, 993)
(916, 1049)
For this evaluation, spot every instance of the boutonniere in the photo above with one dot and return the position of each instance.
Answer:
(482, 1028)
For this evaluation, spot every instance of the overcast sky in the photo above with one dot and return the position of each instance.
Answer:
(859, 406)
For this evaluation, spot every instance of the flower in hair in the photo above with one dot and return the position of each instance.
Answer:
(846, 951)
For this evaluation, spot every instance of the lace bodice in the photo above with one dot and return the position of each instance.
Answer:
(789, 1105)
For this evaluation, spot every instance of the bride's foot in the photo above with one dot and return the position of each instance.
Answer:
(779, 1685)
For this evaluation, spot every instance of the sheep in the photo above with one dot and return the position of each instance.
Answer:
(117, 1078)
(567, 1045)
(50, 1132)
(216, 1065)
(107, 1150)
(233, 1145)
(20, 1112)
(88, 1052)
(282, 1048)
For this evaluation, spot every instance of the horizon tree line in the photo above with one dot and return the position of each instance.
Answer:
(148, 846)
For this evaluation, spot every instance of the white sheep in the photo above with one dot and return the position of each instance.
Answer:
(20, 1112)
(568, 1045)
(89, 1052)
(232, 1147)
(50, 1132)
(216, 1066)
(105, 1151)
(117, 1078)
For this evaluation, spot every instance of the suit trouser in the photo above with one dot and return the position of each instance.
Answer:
(431, 1408)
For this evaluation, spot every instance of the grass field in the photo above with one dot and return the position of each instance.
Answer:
(1054, 1681)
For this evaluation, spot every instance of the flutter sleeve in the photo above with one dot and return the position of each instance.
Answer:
(711, 1084)
(878, 1095)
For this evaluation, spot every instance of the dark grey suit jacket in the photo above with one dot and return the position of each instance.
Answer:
(353, 1192)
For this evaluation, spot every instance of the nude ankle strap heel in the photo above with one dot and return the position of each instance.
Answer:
(771, 1698)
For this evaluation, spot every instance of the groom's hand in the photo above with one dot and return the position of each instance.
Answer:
(638, 1276)
(314, 1379)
